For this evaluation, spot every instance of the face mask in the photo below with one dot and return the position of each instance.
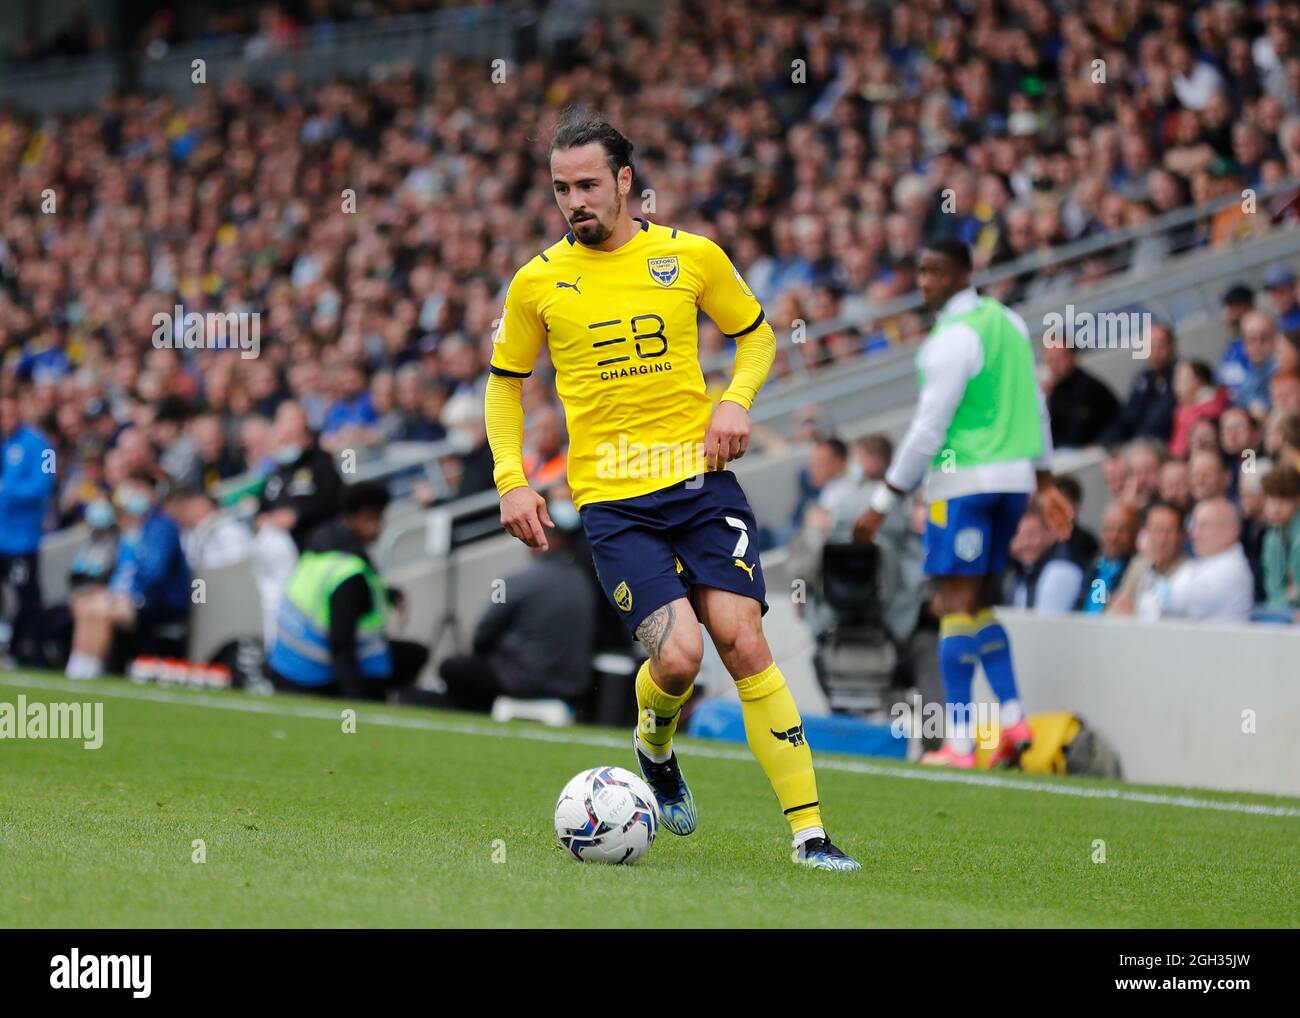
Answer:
(134, 503)
(99, 514)
(564, 515)
(288, 453)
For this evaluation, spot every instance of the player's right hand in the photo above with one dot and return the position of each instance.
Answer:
(524, 515)
(1058, 511)
(867, 526)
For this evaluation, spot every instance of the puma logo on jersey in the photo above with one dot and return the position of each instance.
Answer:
(748, 569)
(793, 735)
(571, 286)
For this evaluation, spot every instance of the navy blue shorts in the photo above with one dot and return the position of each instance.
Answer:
(652, 549)
(971, 535)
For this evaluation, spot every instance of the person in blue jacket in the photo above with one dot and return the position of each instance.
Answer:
(149, 586)
(26, 488)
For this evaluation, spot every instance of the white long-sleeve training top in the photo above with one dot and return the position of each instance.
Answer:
(950, 358)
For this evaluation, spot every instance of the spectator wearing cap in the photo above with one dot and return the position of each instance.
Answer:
(1216, 585)
(1280, 281)
(1081, 405)
(149, 587)
(1119, 530)
(26, 489)
(1259, 337)
(1234, 365)
(1198, 399)
(1149, 410)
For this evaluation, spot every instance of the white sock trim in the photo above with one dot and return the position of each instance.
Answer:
(83, 666)
(807, 834)
(657, 755)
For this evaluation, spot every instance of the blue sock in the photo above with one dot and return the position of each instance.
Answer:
(958, 654)
(995, 653)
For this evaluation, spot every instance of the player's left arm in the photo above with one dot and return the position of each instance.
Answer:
(726, 299)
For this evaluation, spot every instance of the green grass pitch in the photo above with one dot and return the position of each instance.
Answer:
(429, 819)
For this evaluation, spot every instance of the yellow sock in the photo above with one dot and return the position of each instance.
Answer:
(775, 734)
(657, 713)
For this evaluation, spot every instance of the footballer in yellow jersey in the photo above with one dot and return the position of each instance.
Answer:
(621, 330)
(674, 540)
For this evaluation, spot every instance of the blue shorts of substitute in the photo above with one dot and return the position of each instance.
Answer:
(971, 535)
(652, 549)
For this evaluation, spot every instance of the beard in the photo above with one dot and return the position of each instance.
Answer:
(593, 231)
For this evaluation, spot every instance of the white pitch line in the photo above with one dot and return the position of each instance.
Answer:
(275, 707)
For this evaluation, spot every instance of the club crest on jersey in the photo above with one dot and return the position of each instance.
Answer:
(663, 270)
(623, 596)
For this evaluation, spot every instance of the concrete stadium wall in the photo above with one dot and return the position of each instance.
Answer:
(1170, 696)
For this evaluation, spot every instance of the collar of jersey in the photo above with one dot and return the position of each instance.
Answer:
(573, 241)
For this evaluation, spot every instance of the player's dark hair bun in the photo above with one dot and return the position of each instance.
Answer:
(579, 126)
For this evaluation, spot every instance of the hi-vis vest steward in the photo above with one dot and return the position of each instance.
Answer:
(301, 651)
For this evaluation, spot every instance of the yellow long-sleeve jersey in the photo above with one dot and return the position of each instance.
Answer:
(622, 329)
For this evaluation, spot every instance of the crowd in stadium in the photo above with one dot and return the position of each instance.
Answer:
(374, 225)
(1202, 471)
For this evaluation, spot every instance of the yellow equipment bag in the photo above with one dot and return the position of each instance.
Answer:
(1052, 734)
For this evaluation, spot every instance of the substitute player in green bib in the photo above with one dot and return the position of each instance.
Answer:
(982, 439)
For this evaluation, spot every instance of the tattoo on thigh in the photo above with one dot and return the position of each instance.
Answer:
(654, 629)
